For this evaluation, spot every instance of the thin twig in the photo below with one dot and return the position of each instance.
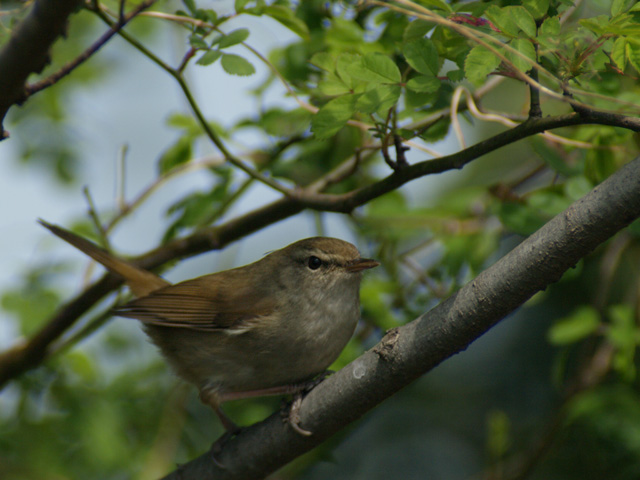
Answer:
(84, 56)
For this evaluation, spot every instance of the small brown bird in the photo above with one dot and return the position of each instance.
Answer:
(267, 328)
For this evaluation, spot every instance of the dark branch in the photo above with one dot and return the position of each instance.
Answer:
(408, 352)
(27, 51)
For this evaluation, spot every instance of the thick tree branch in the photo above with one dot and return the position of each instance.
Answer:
(408, 352)
(25, 356)
(27, 51)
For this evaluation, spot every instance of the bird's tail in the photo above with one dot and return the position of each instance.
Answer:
(141, 282)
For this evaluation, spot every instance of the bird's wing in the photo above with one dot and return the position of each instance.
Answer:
(206, 303)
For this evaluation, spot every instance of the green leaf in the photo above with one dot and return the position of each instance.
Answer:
(31, 305)
(520, 219)
(635, 8)
(344, 63)
(581, 323)
(621, 6)
(240, 4)
(597, 25)
(619, 53)
(324, 61)
(435, 4)
(623, 334)
(498, 435)
(455, 75)
(577, 187)
(525, 48)
(333, 116)
(422, 55)
(378, 98)
(185, 122)
(375, 68)
(199, 208)
(548, 201)
(287, 17)
(537, 8)
(212, 16)
(502, 19)
(191, 6)
(236, 65)
(196, 41)
(234, 37)
(417, 29)
(209, 57)
(424, 83)
(524, 20)
(550, 27)
(333, 86)
(479, 63)
(176, 154)
(283, 123)
(633, 52)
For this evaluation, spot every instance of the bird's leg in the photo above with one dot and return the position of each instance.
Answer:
(210, 397)
(293, 417)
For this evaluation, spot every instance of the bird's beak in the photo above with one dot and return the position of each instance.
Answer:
(361, 264)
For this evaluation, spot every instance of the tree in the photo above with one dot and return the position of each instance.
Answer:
(364, 83)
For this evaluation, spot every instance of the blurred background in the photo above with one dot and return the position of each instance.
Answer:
(105, 405)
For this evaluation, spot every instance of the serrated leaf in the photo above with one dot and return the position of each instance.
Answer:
(424, 83)
(324, 61)
(176, 154)
(375, 68)
(502, 20)
(479, 63)
(550, 27)
(234, 37)
(537, 8)
(344, 63)
(287, 17)
(526, 49)
(333, 86)
(633, 53)
(621, 6)
(455, 75)
(236, 65)
(422, 55)
(417, 29)
(597, 25)
(209, 57)
(380, 97)
(523, 19)
(333, 116)
(583, 322)
(619, 53)
(196, 41)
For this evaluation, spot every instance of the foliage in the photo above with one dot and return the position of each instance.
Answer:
(362, 79)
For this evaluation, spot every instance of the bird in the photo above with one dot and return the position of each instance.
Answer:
(267, 328)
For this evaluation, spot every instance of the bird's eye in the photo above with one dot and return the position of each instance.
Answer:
(314, 263)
